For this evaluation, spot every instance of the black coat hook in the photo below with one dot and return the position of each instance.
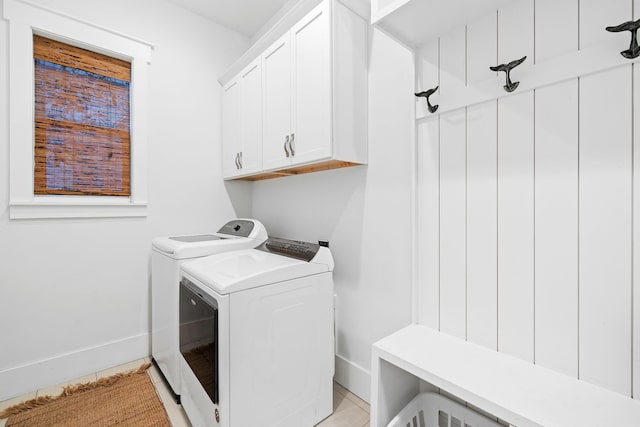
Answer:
(510, 86)
(426, 94)
(632, 26)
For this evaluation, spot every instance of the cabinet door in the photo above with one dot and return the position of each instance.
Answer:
(251, 114)
(230, 128)
(311, 108)
(276, 75)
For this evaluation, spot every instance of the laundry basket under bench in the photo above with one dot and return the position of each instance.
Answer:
(511, 389)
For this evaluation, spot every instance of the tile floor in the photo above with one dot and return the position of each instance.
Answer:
(348, 409)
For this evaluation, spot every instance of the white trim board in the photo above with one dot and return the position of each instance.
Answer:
(43, 210)
(26, 19)
(353, 377)
(56, 370)
(563, 68)
(9, 14)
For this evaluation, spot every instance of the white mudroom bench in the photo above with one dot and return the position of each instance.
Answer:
(417, 358)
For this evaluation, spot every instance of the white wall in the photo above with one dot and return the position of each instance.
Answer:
(74, 294)
(526, 202)
(365, 213)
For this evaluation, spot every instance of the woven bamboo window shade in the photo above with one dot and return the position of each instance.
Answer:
(82, 139)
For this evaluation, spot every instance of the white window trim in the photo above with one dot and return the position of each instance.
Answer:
(26, 18)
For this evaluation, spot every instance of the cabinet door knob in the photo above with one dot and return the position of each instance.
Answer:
(240, 158)
(292, 145)
(237, 160)
(286, 149)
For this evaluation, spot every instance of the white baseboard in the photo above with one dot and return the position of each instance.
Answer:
(353, 377)
(58, 369)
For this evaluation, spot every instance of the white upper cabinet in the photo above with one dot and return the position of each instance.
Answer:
(311, 87)
(313, 98)
(276, 77)
(297, 102)
(251, 118)
(231, 145)
(242, 123)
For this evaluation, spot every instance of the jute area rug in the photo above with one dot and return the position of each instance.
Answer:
(127, 399)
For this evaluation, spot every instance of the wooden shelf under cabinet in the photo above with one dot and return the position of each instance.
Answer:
(298, 170)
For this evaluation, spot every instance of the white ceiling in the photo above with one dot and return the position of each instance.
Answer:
(243, 16)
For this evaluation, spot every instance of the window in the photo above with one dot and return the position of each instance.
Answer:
(100, 170)
(81, 121)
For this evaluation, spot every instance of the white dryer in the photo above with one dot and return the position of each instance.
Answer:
(168, 254)
(256, 336)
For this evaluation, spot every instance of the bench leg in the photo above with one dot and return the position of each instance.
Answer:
(391, 389)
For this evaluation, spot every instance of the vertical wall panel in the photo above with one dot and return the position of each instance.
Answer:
(595, 15)
(605, 229)
(515, 33)
(482, 46)
(556, 28)
(452, 62)
(452, 189)
(428, 258)
(482, 311)
(482, 297)
(428, 220)
(636, 228)
(515, 225)
(636, 223)
(515, 190)
(556, 227)
(556, 194)
(452, 223)
(427, 73)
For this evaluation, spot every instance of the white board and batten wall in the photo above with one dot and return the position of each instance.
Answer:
(527, 203)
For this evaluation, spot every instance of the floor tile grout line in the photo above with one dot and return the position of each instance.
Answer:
(355, 399)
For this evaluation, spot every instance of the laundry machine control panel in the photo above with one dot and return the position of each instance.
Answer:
(303, 251)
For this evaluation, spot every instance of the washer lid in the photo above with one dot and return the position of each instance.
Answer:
(234, 235)
(197, 238)
(249, 268)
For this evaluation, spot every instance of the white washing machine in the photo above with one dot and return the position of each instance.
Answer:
(167, 256)
(256, 336)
